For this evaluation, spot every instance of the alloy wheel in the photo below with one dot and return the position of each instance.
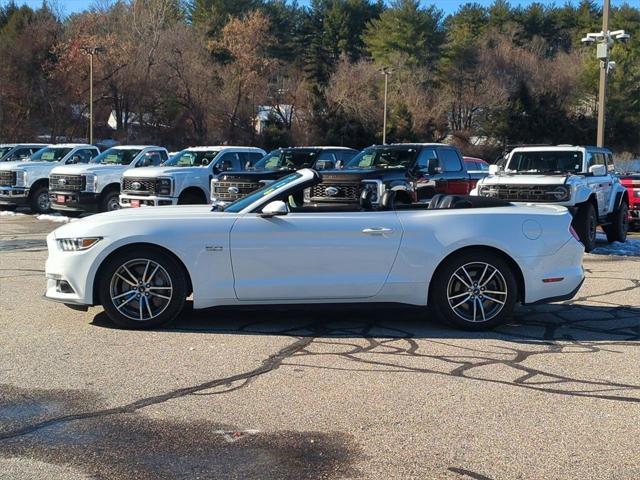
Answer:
(43, 201)
(477, 292)
(141, 289)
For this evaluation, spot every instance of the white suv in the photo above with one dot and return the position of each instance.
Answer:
(95, 187)
(185, 178)
(582, 179)
(27, 182)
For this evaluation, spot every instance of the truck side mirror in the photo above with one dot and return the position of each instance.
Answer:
(494, 169)
(339, 164)
(598, 170)
(433, 166)
(275, 208)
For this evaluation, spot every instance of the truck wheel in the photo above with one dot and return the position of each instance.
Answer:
(110, 202)
(617, 230)
(142, 289)
(39, 201)
(585, 223)
(475, 290)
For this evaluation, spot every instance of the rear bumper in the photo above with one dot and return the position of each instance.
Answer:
(14, 195)
(75, 201)
(146, 200)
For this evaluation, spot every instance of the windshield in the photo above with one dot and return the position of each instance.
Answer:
(4, 150)
(287, 159)
(117, 156)
(383, 158)
(546, 162)
(192, 158)
(50, 154)
(244, 202)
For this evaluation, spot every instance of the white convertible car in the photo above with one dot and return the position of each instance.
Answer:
(470, 259)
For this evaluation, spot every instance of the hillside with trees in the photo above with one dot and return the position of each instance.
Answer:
(191, 73)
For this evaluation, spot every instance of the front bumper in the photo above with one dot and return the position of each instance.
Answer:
(75, 201)
(129, 201)
(14, 195)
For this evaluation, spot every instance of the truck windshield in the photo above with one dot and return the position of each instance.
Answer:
(287, 160)
(192, 158)
(117, 156)
(244, 202)
(4, 151)
(545, 162)
(50, 154)
(383, 158)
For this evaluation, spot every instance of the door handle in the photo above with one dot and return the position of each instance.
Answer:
(377, 231)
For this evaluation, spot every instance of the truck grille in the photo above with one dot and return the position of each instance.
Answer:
(139, 186)
(229, 191)
(336, 192)
(519, 193)
(67, 183)
(7, 178)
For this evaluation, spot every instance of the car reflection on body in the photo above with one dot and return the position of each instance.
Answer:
(470, 259)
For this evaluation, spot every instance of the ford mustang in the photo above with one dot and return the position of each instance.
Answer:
(469, 259)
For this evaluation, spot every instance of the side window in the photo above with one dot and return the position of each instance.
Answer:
(346, 155)
(82, 156)
(449, 160)
(248, 158)
(164, 156)
(150, 159)
(228, 161)
(423, 158)
(595, 158)
(327, 155)
(254, 157)
(610, 165)
(22, 153)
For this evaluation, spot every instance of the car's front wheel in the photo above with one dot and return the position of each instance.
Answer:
(475, 290)
(617, 230)
(143, 289)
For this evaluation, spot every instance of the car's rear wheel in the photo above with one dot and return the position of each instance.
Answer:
(617, 230)
(39, 201)
(142, 289)
(475, 290)
(584, 223)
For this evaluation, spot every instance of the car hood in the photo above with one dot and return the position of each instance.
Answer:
(108, 222)
(352, 174)
(20, 164)
(152, 172)
(254, 175)
(506, 179)
(89, 168)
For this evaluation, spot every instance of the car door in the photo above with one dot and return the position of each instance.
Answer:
(456, 175)
(311, 256)
(599, 184)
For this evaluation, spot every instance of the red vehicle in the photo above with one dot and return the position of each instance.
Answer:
(477, 168)
(632, 183)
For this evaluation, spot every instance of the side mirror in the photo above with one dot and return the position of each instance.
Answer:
(598, 170)
(494, 169)
(433, 166)
(247, 165)
(339, 164)
(275, 208)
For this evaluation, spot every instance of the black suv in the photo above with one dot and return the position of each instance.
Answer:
(415, 172)
(231, 185)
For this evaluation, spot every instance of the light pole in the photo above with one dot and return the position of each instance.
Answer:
(91, 51)
(386, 71)
(604, 41)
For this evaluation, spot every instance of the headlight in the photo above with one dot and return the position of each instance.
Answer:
(77, 244)
(487, 191)
(21, 178)
(376, 188)
(559, 193)
(163, 186)
(91, 182)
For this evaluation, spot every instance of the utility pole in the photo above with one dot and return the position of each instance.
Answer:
(604, 40)
(386, 71)
(91, 51)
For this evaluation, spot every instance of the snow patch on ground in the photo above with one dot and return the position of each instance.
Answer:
(9, 213)
(630, 248)
(55, 217)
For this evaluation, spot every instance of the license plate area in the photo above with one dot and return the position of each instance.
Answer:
(135, 203)
(60, 198)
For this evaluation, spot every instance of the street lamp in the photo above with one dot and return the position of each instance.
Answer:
(91, 51)
(604, 41)
(386, 71)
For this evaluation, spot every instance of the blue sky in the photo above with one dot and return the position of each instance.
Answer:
(449, 6)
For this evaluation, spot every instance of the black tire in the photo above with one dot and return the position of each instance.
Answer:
(39, 200)
(190, 199)
(137, 310)
(110, 202)
(584, 223)
(617, 230)
(460, 302)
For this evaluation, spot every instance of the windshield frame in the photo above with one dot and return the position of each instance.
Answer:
(354, 163)
(202, 154)
(537, 171)
(97, 160)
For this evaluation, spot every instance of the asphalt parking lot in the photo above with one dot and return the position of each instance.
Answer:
(332, 393)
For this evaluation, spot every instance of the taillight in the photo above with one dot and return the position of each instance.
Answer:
(573, 232)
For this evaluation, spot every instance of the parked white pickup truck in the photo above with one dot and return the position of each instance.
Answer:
(95, 187)
(27, 182)
(185, 178)
(582, 179)
(12, 152)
